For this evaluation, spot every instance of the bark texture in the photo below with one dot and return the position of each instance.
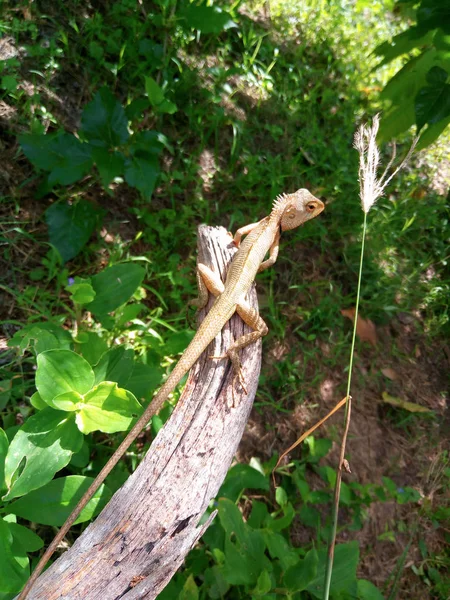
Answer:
(142, 536)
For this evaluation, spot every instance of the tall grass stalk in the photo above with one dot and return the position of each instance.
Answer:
(371, 188)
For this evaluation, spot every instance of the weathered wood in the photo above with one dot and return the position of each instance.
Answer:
(142, 536)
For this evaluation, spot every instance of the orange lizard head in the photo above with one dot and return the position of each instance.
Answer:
(297, 208)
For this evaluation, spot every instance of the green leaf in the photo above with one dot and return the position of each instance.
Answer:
(432, 102)
(263, 585)
(92, 348)
(156, 97)
(109, 164)
(62, 154)
(144, 380)
(346, 557)
(241, 477)
(9, 83)
(284, 521)
(433, 14)
(208, 19)
(368, 591)
(41, 447)
(107, 408)
(68, 401)
(81, 293)
(29, 541)
(231, 519)
(37, 401)
(178, 341)
(53, 503)
(154, 91)
(279, 548)
(190, 590)
(142, 174)
(71, 225)
(115, 365)
(401, 44)
(15, 572)
(41, 337)
(114, 286)
(60, 371)
(103, 121)
(4, 444)
(431, 133)
(299, 576)
(405, 84)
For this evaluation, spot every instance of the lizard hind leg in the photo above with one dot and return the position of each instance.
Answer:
(251, 317)
(207, 281)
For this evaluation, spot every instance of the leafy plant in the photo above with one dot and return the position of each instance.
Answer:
(419, 92)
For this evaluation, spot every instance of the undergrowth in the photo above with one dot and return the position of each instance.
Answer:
(124, 127)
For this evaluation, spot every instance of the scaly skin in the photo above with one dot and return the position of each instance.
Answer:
(288, 212)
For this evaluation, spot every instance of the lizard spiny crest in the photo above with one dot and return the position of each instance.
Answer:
(292, 210)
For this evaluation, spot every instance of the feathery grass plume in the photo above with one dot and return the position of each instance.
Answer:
(371, 188)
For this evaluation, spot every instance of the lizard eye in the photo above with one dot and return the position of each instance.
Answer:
(310, 207)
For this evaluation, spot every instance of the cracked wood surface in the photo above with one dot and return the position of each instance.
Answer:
(142, 536)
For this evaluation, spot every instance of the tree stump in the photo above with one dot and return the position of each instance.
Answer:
(142, 536)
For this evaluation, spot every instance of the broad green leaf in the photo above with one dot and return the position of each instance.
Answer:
(401, 44)
(114, 286)
(14, 571)
(144, 380)
(245, 561)
(178, 341)
(142, 174)
(156, 97)
(190, 590)
(279, 548)
(52, 503)
(208, 19)
(154, 91)
(110, 164)
(60, 371)
(4, 444)
(29, 541)
(299, 576)
(37, 401)
(263, 585)
(115, 365)
(68, 401)
(71, 225)
(217, 585)
(432, 102)
(81, 293)
(346, 557)
(62, 154)
(92, 348)
(41, 447)
(231, 519)
(405, 84)
(103, 121)
(241, 477)
(284, 521)
(431, 133)
(318, 448)
(41, 337)
(432, 14)
(82, 457)
(107, 408)
(368, 591)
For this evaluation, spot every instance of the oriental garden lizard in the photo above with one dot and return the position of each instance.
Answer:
(288, 212)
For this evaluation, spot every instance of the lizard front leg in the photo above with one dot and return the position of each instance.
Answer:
(273, 253)
(244, 231)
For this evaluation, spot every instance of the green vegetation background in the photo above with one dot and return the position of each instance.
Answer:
(125, 125)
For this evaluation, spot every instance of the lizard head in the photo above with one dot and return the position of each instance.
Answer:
(297, 208)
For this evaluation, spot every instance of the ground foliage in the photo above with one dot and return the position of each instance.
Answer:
(125, 125)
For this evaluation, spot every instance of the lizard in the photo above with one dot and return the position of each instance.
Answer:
(261, 238)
